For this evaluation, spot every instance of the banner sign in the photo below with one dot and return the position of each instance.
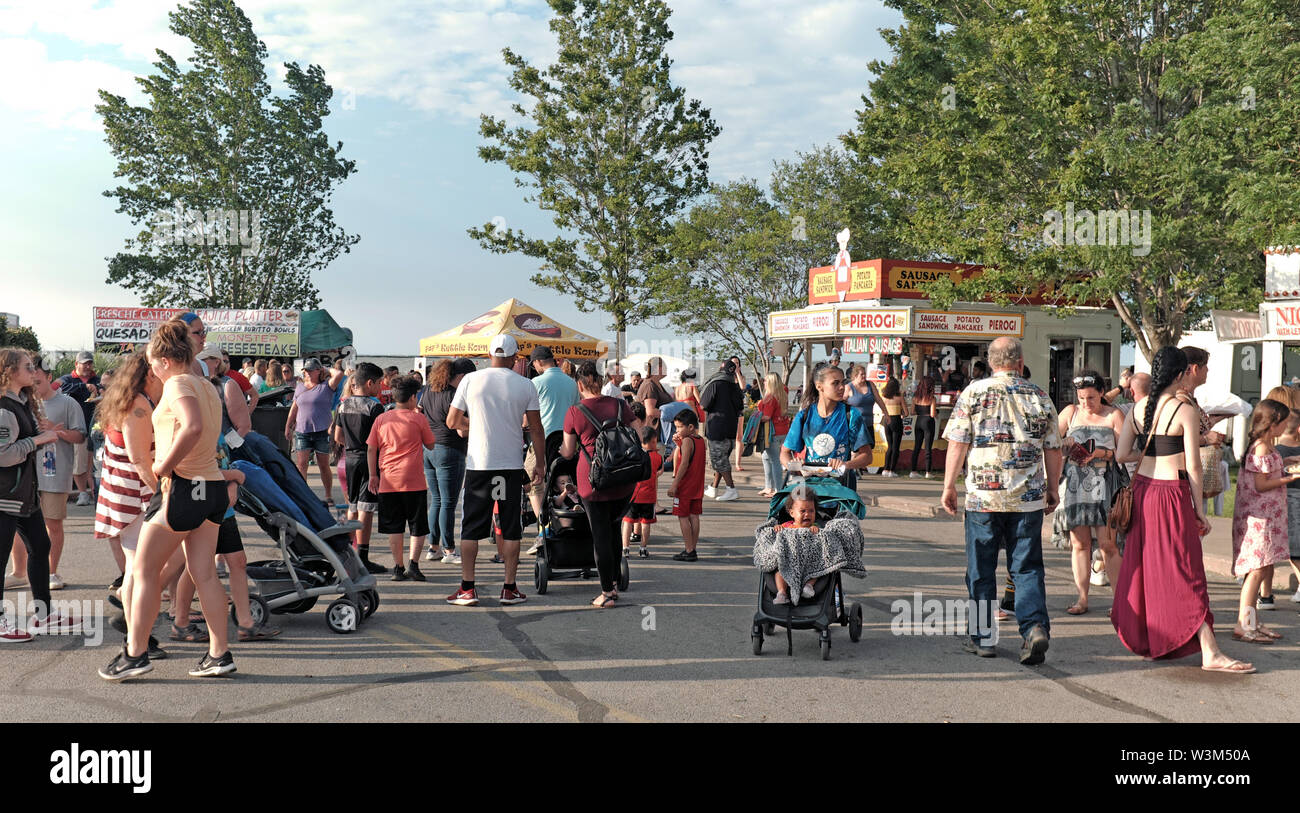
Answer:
(873, 344)
(1236, 326)
(806, 322)
(1281, 320)
(252, 333)
(883, 321)
(955, 324)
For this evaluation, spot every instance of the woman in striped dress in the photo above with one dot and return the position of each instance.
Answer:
(128, 480)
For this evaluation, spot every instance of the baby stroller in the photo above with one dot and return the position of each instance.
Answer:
(827, 604)
(311, 564)
(567, 552)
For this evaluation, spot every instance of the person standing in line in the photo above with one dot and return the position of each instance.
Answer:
(641, 513)
(892, 400)
(688, 392)
(925, 408)
(1008, 427)
(395, 461)
(556, 393)
(1290, 398)
(309, 420)
(491, 405)
(775, 421)
(687, 486)
(356, 417)
(860, 394)
(84, 387)
(650, 392)
(604, 507)
(723, 403)
(1288, 445)
(613, 381)
(444, 465)
(1162, 603)
(258, 378)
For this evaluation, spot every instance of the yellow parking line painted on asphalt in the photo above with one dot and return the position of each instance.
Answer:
(618, 714)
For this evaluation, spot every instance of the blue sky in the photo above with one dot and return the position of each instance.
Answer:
(780, 76)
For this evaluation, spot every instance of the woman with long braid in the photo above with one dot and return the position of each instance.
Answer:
(1162, 604)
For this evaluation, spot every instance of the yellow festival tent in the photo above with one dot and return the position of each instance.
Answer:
(529, 326)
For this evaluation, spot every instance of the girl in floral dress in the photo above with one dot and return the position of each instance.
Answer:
(1259, 521)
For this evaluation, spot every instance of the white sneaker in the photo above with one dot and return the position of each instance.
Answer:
(729, 495)
(452, 558)
(1296, 597)
(56, 582)
(916, 475)
(83, 498)
(431, 555)
(710, 492)
(54, 624)
(929, 475)
(9, 634)
(534, 549)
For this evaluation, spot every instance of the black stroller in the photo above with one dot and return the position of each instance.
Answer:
(567, 552)
(826, 607)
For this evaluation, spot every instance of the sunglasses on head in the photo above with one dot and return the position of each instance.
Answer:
(1081, 381)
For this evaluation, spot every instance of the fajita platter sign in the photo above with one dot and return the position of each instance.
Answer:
(267, 332)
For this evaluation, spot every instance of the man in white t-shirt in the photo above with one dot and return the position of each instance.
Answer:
(614, 383)
(492, 405)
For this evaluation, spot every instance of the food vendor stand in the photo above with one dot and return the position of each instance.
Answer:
(877, 313)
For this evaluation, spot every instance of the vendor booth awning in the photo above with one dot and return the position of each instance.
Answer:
(530, 327)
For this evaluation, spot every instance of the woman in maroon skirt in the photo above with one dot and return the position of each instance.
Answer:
(1162, 604)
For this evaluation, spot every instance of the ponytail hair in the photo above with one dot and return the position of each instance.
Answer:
(172, 341)
(1167, 366)
(1268, 414)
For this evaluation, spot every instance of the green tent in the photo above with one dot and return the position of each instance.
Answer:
(321, 333)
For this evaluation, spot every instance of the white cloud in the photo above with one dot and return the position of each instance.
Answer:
(58, 94)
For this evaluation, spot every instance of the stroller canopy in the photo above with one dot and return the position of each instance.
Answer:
(830, 495)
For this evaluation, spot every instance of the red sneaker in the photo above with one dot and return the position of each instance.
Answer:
(512, 596)
(464, 598)
(54, 624)
(9, 634)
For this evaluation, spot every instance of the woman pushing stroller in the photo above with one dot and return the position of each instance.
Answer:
(827, 430)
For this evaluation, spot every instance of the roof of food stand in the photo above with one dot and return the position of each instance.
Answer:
(529, 326)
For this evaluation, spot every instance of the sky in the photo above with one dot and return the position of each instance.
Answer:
(410, 81)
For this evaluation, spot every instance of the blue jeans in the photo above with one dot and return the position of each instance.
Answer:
(444, 474)
(1021, 535)
(772, 473)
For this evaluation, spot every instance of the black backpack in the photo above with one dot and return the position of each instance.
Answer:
(619, 459)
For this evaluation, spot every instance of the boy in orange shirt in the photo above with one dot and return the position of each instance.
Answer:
(395, 454)
(641, 512)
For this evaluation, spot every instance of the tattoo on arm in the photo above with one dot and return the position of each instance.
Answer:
(139, 413)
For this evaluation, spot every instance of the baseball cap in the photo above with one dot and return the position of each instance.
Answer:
(310, 365)
(188, 318)
(503, 346)
(84, 356)
(211, 351)
(462, 367)
(540, 352)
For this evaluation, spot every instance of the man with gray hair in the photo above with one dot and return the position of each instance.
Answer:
(613, 381)
(1008, 426)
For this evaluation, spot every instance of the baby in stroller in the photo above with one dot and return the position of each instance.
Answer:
(802, 505)
(566, 499)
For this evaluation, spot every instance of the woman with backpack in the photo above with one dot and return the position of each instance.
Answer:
(827, 430)
(605, 507)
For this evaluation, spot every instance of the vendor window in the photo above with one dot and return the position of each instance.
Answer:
(1096, 356)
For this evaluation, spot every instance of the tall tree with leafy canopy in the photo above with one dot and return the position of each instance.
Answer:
(230, 184)
(23, 337)
(610, 148)
(995, 117)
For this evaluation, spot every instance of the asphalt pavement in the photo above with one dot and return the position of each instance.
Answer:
(677, 648)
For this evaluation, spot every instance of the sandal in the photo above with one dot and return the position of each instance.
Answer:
(1268, 633)
(1251, 637)
(1075, 609)
(257, 632)
(1232, 667)
(604, 601)
(191, 634)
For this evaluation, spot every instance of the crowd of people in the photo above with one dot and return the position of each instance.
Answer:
(406, 453)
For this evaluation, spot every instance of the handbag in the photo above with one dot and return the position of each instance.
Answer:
(1121, 508)
(1212, 484)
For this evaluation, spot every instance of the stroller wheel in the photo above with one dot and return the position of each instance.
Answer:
(342, 616)
(756, 640)
(826, 648)
(624, 575)
(540, 575)
(771, 628)
(256, 608)
(369, 600)
(855, 622)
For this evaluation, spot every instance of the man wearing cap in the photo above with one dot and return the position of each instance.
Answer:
(84, 387)
(556, 392)
(492, 405)
(613, 381)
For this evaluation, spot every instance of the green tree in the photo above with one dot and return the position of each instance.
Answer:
(229, 184)
(611, 149)
(993, 117)
(22, 337)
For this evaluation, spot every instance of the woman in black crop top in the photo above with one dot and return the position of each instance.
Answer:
(1162, 604)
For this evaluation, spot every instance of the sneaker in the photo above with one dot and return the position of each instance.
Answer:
(156, 652)
(807, 591)
(56, 582)
(124, 667)
(975, 649)
(1032, 651)
(1264, 603)
(644, 554)
(116, 600)
(781, 598)
(496, 559)
(431, 555)
(464, 598)
(374, 567)
(635, 538)
(116, 584)
(214, 667)
(916, 475)
(929, 475)
(83, 499)
(512, 596)
(729, 495)
(9, 634)
(54, 624)
(118, 622)
(222, 572)
(537, 546)
(13, 580)
(627, 553)
(685, 556)
(710, 492)
(1296, 597)
(1008, 603)
(399, 575)
(413, 572)
(451, 557)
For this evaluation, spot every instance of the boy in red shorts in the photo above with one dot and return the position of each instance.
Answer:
(641, 513)
(687, 489)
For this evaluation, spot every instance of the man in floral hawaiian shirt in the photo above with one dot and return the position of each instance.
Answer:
(1008, 427)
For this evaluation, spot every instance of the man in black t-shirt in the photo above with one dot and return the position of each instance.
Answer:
(356, 415)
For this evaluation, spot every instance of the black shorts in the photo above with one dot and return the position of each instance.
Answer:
(503, 488)
(640, 513)
(357, 470)
(401, 509)
(189, 503)
(228, 539)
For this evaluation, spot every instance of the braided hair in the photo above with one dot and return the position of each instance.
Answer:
(1167, 366)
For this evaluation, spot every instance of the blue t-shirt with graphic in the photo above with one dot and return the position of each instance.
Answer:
(833, 437)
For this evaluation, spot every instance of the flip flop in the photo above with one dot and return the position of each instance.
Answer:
(1234, 668)
(1074, 609)
(1268, 633)
(604, 602)
(1251, 637)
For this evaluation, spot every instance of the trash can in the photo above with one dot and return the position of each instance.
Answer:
(271, 414)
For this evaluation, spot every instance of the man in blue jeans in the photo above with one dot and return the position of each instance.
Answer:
(1008, 427)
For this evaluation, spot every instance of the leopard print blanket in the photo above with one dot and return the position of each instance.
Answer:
(800, 555)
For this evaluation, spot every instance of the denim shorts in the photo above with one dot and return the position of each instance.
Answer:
(318, 442)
